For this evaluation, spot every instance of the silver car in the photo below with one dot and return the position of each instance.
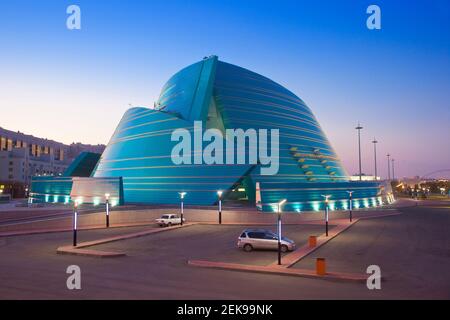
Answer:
(263, 239)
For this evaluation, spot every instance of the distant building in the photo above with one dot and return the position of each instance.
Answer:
(23, 156)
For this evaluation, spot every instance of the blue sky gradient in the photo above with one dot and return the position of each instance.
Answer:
(74, 85)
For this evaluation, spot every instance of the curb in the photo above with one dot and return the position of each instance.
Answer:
(279, 271)
(90, 253)
(305, 250)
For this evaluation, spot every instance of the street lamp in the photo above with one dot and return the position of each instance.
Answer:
(107, 209)
(389, 167)
(393, 170)
(219, 194)
(374, 141)
(75, 216)
(182, 194)
(280, 204)
(350, 204)
(359, 127)
(326, 213)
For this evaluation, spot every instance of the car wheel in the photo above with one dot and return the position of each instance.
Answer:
(169, 224)
(284, 248)
(248, 247)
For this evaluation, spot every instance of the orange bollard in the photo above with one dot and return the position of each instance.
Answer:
(312, 241)
(320, 266)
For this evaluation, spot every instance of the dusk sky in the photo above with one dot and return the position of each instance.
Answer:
(74, 85)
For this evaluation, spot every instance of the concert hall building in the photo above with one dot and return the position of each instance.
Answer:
(137, 166)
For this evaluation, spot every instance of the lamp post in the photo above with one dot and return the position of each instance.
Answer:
(182, 194)
(350, 204)
(279, 229)
(374, 141)
(107, 209)
(389, 167)
(219, 194)
(326, 213)
(393, 169)
(75, 216)
(359, 127)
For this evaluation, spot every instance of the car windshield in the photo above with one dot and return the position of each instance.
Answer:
(165, 216)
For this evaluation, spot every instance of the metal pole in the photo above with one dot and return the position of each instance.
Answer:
(107, 213)
(350, 206)
(359, 127)
(75, 213)
(393, 170)
(279, 235)
(326, 217)
(182, 211)
(220, 211)
(375, 156)
(389, 167)
(182, 194)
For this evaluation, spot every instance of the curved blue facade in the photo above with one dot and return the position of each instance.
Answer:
(225, 96)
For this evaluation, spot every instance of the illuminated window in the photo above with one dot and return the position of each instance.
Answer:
(2, 143)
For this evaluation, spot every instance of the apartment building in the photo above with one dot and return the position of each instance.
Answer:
(23, 156)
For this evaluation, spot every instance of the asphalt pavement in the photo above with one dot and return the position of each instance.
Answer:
(412, 250)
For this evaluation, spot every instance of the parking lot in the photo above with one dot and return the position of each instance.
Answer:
(206, 242)
(411, 249)
(155, 266)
